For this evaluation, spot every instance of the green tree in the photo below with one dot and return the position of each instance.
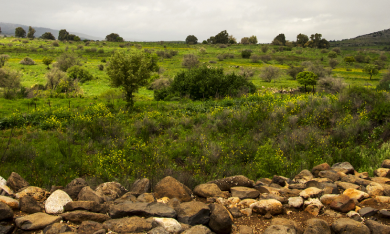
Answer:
(307, 78)
(302, 39)
(281, 38)
(316, 38)
(10, 81)
(204, 42)
(0, 30)
(222, 37)
(332, 54)
(130, 71)
(31, 32)
(245, 40)
(20, 32)
(253, 39)
(63, 35)
(349, 60)
(3, 59)
(48, 35)
(371, 70)
(47, 61)
(232, 39)
(113, 37)
(191, 39)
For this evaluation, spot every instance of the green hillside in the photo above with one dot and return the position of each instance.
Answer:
(380, 38)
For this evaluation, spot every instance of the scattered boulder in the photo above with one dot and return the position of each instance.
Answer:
(142, 209)
(193, 213)
(5, 190)
(382, 172)
(344, 165)
(87, 194)
(80, 216)
(243, 229)
(89, 227)
(327, 199)
(279, 229)
(343, 203)
(6, 212)
(14, 204)
(57, 228)
(235, 212)
(311, 192)
(322, 167)
(317, 226)
(239, 180)
(350, 226)
(384, 213)
(303, 177)
(281, 180)
(367, 212)
(295, 202)
(82, 205)
(16, 182)
(355, 194)
(345, 185)
(329, 174)
(286, 222)
(140, 186)
(244, 192)
(386, 163)
(110, 191)
(208, 190)
(37, 193)
(6, 229)
(56, 202)
(74, 187)
(377, 228)
(146, 197)
(197, 229)
(171, 188)
(29, 205)
(169, 224)
(220, 221)
(128, 225)
(271, 206)
(375, 189)
(36, 221)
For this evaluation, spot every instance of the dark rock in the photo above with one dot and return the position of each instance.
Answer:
(197, 229)
(171, 188)
(6, 212)
(386, 163)
(303, 177)
(142, 209)
(243, 229)
(377, 228)
(29, 205)
(208, 190)
(343, 203)
(384, 213)
(110, 191)
(128, 197)
(332, 175)
(286, 222)
(273, 185)
(367, 212)
(236, 213)
(83, 205)
(279, 229)
(193, 213)
(146, 197)
(88, 227)
(220, 221)
(80, 216)
(36, 221)
(158, 230)
(317, 226)
(16, 182)
(345, 165)
(174, 203)
(286, 192)
(234, 181)
(128, 225)
(318, 168)
(281, 180)
(349, 226)
(87, 194)
(357, 218)
(140, 186)
(57, 228)
(74, 187)
(6, 229)
(244, 192)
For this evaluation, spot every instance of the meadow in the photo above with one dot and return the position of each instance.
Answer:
(50, 140)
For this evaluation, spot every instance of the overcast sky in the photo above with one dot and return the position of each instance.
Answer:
(163, 20)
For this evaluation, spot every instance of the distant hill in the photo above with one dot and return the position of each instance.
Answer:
(9, 29)
(380, 38)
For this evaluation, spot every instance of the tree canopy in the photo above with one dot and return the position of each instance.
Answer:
(113, 37)
(222, 38)
(31, 32)
(20, 32)
(302, 39)
(191, 39)
(253, 39)
(371, 70)
(307, 78)
(48, 35)
(63, 35)
(280, 38)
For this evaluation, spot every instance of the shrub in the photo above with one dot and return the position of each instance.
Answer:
(371, 70)
(255, 58)
(220, 57)
(47, 61)
(222, 46)
(360, 58)
(159, 84)
(67, 60)
(330, 85)
(246, 53)
(202, 50)
(3, 59)
(27, 61)
(25, 41)
(270, 73)
(318, 69)
(101, 50)
(300, 51)
(332, 54)
(80, 73)
(55, 44)
(190, 61)
(265, 58)
(384, 83)
(280, 59)
(383, 57)
(59, 81)
(101, 67)
(206, 82)
(281, 49)
(10, 81)
(333, 63)
(80, 47)
(293, 71)
(337, 50)
(264, 48)
(379, 64)
(247, 72)
(307, 78)
(324, 51)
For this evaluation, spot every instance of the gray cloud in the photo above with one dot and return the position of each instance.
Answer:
(149, 20)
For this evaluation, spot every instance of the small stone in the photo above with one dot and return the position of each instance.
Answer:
(82, 205)
(56, 202)
(247, 212)
(268, 216)
(80, 216)
(313, 210)
(344, 165)
(141, 186)
(303, 177)
(377, 228)
(311, 193)
(386, 163)
(158, 230)
(57, 228)
(128, 225)
(74, 187)
(169, 224)
(87, 194)
(193, 213)
(332, 213)
(89, 227)
(329, 174)
(375, 189)
(343, 203)
(295, 202)
(243, 229)
(246, 203)
(355, 194)
(6, 212)
(317, 226)
(349, 226)
(146, 197)
(16, 182)
(327, 199)
(244, 192)
(382, 172)
(110, 191)
(280, 180)
(272, 206)
(14, 204)
(367, 211)
(220, 220)
(279, 229)
(384, 213)
(234, 181)
(6, 229)
(37, 193)
(197, 229)
(236, 213)
(36, 221)
(208, 190)
(29, 205)
(286, 222)
(345, 185)
(171, 188)
(322, 167)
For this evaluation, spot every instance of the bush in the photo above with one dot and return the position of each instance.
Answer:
(307, 78)
(332, 54)
(222, 46)
(3, 59)
(101, 51)
(101, 67)
(333, 63)
(265, 58)
(202, 50)
(190, 61)
(159, 84)
(300, 51)
(384, 83)
(270, 73)
(324, 51)
(247, 72)
(264, 48)
(360, 58)
(293, 71)
(10, 81)
(80, 47)
(67, 60)
(255, 58)
(60, 82)
(80, 73)
(27, 61)
(206, 82)
(47, 61)
(337, 50)
(220, 57)
(280, 59)
(246, 53)
(317, 68)
(383, 57)
(55, 44)
(330, 85)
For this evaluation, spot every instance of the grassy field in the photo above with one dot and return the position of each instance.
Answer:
(50, 141)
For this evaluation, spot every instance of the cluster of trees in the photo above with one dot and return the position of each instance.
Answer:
(113, 37)
(316, 41)
(221, 38)
(64, 35)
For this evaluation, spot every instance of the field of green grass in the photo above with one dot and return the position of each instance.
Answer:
(50, 141)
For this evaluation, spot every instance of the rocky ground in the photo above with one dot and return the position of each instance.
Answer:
(326, 199)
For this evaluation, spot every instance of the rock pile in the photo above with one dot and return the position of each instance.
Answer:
(326, 199)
